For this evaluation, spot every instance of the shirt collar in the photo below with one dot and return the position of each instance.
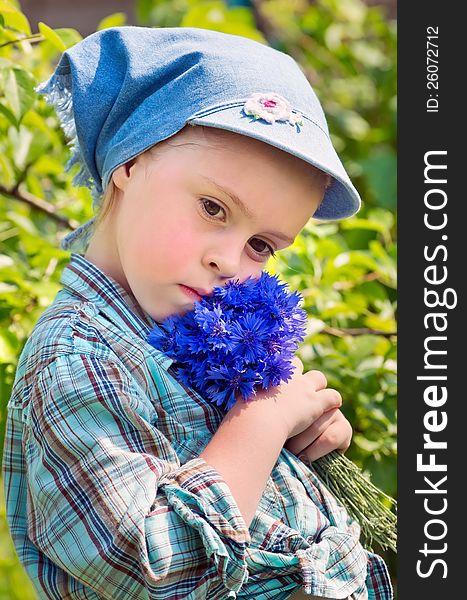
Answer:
(84, 279)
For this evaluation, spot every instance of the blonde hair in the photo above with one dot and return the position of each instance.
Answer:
(107, 203)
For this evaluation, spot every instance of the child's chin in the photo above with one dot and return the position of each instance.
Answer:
(158, 318)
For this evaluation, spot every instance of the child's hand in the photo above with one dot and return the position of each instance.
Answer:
(249, 439)
(332, 431)
(305, 409)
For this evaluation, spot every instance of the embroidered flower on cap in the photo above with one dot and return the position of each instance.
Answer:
(271, 107)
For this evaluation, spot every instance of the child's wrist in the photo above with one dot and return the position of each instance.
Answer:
(261, 413)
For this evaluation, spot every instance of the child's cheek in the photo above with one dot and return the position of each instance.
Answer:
(168, 250)
(183, 250)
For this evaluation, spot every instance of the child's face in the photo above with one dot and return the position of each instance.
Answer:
(175, 232)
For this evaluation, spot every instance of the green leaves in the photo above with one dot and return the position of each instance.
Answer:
(380, 170)
(50, 35)
(60, 39)
(13, 18)
(216, 15)
(18, 89)
(115, 20)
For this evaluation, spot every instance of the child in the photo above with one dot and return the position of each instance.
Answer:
(206, 153)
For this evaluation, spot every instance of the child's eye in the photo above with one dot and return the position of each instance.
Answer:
(261, 247)
(211, 208)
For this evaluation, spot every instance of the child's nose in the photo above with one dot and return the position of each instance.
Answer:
(225, 261)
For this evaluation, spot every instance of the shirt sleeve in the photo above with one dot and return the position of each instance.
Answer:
(107, 507)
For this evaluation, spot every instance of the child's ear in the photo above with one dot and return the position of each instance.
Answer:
(123, 174)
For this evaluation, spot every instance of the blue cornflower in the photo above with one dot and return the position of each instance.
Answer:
(234, 294)
(276, 370)
(227, 381)
(239, 339)
(164, 338)
(248, 336)
(212, 324)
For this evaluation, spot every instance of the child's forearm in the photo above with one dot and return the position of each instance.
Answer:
(244, 451)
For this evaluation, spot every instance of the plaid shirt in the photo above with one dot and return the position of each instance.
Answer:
(107, 496)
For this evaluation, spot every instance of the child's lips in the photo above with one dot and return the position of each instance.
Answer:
(194, 293)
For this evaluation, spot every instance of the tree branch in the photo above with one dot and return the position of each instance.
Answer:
(40, 205)
(263, 24)
(36, 37)
(274, 36)
(357, 331)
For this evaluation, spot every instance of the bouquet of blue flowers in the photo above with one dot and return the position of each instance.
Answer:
(235, 341)
(242, 338)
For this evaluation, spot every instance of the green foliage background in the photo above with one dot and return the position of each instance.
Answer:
(346, 271)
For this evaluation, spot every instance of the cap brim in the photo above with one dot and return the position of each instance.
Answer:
(307, 142)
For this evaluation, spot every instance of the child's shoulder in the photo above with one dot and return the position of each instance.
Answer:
(65, 327)
(90, 325)
(77, 342)
(74, 325)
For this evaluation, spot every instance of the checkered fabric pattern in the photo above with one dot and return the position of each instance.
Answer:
(108, 498)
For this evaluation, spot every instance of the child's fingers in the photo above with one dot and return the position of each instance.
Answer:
(318, 379)
(336, 437)
(315, 406)
(300, 441)
(328, 399)
(297, 363)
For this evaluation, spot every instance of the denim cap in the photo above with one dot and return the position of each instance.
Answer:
(121, 90)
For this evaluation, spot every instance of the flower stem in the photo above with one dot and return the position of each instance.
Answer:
(367, 504)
